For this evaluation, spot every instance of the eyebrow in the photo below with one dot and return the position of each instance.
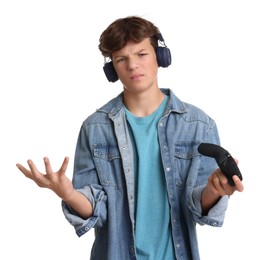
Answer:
(124, 55)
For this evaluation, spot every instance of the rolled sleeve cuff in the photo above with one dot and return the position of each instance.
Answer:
(98, 200)
(216, 214)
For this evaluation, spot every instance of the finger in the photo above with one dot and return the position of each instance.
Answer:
(238, 184)
(48, 167)
(236, 160)
(34, 170)
(220, 182)
(223, 180)
(216, 182)
(25, 171)
(64, 166)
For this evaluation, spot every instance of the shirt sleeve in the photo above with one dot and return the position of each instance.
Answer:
(98, 200)
(216, 214)
(85, 180)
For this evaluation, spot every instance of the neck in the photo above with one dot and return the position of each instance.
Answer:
(143, 104)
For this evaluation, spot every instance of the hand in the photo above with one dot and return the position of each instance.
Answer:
(55, 181)
(218, 184)
(217, 187)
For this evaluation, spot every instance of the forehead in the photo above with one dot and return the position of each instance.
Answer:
(134, 47)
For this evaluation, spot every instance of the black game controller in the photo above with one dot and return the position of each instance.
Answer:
(223, 158)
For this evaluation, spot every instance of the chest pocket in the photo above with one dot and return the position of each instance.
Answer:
(108, 164)
(184, 154)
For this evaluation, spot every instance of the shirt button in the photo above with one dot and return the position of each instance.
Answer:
(214, 224)
(167, 169)
(161, 124)
(178, 245)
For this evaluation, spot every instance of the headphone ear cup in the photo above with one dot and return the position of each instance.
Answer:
(110, 72)
(163, 56)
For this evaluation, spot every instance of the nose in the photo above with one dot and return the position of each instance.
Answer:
(132, 63)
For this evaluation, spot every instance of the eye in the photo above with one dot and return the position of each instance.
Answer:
(142, 54)
(119, 60)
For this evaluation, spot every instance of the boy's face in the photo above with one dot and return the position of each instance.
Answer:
(136, 66)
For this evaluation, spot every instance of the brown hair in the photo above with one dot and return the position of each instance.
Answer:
(123, 30)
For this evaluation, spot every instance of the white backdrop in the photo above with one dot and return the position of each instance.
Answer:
(51, 79)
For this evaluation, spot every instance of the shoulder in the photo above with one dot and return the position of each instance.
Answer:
(103, 114)
(187, 111)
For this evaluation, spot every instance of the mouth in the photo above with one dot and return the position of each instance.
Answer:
(136, 77)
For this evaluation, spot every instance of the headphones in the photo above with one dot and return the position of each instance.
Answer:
(163, 58)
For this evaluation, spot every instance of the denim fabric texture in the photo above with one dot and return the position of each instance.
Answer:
(103, 172)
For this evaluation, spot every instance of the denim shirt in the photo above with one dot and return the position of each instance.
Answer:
(103, 172)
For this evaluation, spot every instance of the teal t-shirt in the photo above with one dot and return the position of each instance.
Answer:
(152, 213)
